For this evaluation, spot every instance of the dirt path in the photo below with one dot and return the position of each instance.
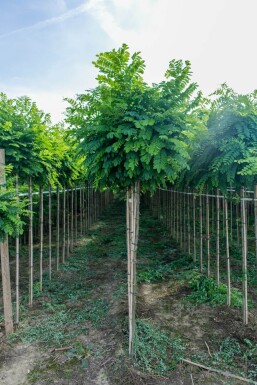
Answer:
(76, 333)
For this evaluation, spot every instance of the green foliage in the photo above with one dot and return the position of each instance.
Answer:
(205, 290)
(155, 351)
(12, 212)
(34, 147)
(129, 131)
(149, 275)
(229, 349)
(226, 154)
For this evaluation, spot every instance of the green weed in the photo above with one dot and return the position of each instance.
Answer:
(205, 290)
(229, 349)
(155, 351)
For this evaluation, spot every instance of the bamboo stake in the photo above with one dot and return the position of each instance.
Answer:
(84, 225)
(64, 226)
(50, 230)
(244, 258)
(128, 219)
(213, 212)
(68, 224)
(184, 222)
(31, 243)
(5, 265)
(58, 230)
(218, 240)
(255, 219)
(131, 213)
(177, 219)
(171, 213)
(135, 199)
(72, 220)
(227, 254)
(188, 224)
(180, 221)
(194, 227)
(81, 212)
(208, 235)
(76, 215)
(17, 258)
(174, 213)
(41, 235)
(231, 218)
(201, 232)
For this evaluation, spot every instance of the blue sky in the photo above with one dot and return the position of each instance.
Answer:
(47, 46)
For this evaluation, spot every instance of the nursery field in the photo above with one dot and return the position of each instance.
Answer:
(76, 332)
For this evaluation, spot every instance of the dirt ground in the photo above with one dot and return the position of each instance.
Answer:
(97, 352)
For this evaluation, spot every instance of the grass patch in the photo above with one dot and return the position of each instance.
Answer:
(155, 351)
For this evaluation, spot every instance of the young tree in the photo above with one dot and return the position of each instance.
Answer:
(135, 137)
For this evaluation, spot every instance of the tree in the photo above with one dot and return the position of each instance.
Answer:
(225, 155)
(135, 137)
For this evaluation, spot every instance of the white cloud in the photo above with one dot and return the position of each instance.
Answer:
(217, 37)
(85, 7)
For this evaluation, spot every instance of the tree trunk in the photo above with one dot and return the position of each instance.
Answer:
(133, 197)
(5, 265)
